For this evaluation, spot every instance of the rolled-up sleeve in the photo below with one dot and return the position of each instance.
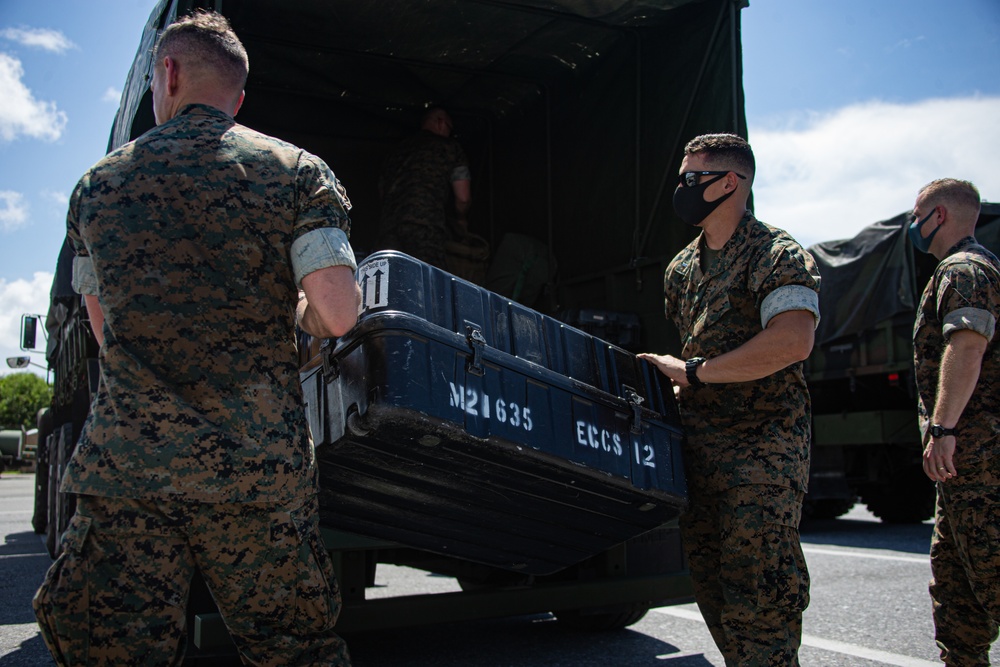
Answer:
(320, 249)
(84, 277)
(786, 298)
(975, 319)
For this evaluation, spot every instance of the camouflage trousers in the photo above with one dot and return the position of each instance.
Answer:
(748, 571)
(422, 241)
(118, 594)
(965, 564)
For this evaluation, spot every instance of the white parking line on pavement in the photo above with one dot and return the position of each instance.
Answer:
(682, 654)
(824, 644)
(861, 554)
(6, 556)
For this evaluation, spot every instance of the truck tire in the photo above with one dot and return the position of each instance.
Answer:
(908, 497)
(40, 516)
(579, 619)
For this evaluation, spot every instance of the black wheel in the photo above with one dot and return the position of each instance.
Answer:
(580, 619)
(40, 517)
(908, 497)
(827, 508)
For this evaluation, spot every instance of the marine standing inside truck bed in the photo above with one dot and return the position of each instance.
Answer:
(425, 182)
(744, 297)
(957, 362)
(190, 244)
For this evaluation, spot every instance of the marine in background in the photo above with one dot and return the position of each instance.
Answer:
(425, 187)
(957, 362)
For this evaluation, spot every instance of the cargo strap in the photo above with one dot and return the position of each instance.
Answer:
(634, 400)
(477, 342)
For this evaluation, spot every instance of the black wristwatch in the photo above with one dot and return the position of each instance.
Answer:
(691, 370)
(938, 431)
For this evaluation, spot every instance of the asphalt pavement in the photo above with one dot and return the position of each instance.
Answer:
(23, 562)
(869, 608)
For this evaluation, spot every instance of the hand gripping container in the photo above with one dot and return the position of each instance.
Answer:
(453, 420)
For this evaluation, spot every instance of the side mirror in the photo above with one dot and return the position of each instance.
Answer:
(18, 362)
(29, 331)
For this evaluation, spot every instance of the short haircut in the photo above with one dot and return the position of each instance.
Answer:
(724, 150)
(961, 195)
(209, 41)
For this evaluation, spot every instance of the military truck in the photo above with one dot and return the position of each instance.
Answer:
(866, 442)
(17, 449)
(574, 116)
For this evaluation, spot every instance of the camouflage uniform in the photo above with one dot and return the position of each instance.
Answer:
(747, 448)
(965, 549)
(417, 195)
(196, 454)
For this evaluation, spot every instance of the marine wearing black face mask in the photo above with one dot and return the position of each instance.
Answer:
(922, 243)
(744, 298)
(690, 204)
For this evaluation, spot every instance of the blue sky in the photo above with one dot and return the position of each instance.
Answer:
(852, 105)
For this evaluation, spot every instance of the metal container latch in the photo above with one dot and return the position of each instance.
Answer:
(331, 367)
(635, 401)
(477, 342)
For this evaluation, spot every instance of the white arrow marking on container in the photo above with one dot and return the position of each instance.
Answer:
(376, 285)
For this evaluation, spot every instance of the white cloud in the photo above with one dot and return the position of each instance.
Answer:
(13, 210)
(905, 43)
(112, 95)
(826, 176)
(43, 38)
(18, 297)
(21, 113)
(59, 198)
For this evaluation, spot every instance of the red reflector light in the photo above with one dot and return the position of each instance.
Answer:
(893, 377)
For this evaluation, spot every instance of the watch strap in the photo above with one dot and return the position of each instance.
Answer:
(691, 371)
(939, 431)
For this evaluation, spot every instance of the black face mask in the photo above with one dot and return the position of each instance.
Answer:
(690, 205)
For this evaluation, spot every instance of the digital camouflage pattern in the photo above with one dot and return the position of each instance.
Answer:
(748, 432)
(189, 230)
(964, 293)
(117, 594)
(749, 572)
(426, 243)
(965, 563)
(746, 449)
(417, 195)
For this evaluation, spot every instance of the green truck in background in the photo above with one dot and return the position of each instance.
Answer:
(18, 449)
(866, 442)
(574, 116)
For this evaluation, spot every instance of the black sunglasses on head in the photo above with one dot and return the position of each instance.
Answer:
(689, 179)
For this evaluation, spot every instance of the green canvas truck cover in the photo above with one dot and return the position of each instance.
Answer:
(877, 274)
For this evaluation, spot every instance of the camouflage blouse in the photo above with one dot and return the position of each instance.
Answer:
(747, 432)
(964, 293)
(416, 179)
(188, 233)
